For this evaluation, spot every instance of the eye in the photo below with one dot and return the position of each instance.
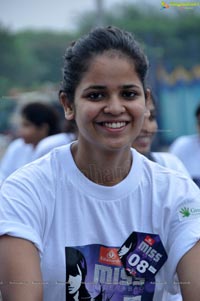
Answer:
(129, 94)
(95, 96)
(152, 117)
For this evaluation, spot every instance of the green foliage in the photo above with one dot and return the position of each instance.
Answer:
(30, 58)
(7, 106)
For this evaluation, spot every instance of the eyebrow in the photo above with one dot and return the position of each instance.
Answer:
(101, 87)
(95, 87)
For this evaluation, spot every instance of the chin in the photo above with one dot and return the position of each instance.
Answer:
(115, 147)
(142, 150)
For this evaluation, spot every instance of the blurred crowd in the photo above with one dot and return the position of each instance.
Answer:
(43, 127)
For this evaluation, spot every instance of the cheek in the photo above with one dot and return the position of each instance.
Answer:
(86, 113)
(26, 131)
(139, 110)
(155, 126)
(32, 134)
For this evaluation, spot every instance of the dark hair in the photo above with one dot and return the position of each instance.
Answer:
(197, 111)
(79, 54)
(153, 97)
(75, 258)
(40, 113)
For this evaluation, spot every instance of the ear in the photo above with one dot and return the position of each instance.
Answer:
(147, 101)
(67, 106)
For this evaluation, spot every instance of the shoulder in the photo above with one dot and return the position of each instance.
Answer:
(18, 144)
(182, 142)
(164, 180)
(17, 154)
(49, 143)
(170, 161)
(40, 171)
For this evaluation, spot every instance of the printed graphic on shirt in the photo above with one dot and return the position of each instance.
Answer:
(189, 211)
(142, 255)
(95, 272)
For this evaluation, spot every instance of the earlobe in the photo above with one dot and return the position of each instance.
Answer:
(67, 106)
(69, 113)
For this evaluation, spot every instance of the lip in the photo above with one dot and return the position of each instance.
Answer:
(144, 140)
(144, 136)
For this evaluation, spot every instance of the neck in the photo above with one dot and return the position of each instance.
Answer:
(76, 296)
(104, 168)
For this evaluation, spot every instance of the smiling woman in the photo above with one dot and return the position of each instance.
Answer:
(109, 112)
(96, 220)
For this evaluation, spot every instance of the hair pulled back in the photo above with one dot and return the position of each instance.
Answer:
(80, 53)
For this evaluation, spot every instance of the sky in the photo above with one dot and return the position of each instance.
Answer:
(51, 14)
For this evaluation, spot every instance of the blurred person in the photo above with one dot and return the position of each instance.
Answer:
(144, 141)
(97, 193)
(68, 134)
(143, 145)
(38, 120)
(17, 154)
(187, 149)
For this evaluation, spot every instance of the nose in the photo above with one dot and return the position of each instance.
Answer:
(114, 106)
(146, 125)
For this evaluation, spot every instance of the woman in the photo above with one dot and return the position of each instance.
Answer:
(76, 275)
(95, 193)
(38, 120)
(68, 135)
(144, 141)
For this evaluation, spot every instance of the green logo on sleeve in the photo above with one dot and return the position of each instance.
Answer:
(185, 212)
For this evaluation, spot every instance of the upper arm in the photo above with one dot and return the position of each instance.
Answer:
(20, 274)
(188, 270)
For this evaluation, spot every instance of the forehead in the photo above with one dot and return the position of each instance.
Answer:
(109, 66)
(112, 54)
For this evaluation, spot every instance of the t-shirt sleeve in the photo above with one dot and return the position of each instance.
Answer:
(184, 224)
(178, 146)
(25, 206)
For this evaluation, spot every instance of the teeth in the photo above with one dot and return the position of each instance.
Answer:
(115, 125)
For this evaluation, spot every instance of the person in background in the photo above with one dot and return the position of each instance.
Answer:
(145, 139)
(69, 133)
(187, 149)
(143, 145)
(17, 154)
(38, 120)
(97, 193)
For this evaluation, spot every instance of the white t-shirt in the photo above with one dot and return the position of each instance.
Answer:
(17, 154)
(169, 161)
(50, 142)
(62, 212)
(187, 149)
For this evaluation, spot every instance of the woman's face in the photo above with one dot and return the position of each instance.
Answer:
(74, 282)
(109, 103)
(31, 133)
(143, 142)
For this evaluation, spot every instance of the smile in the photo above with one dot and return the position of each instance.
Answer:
(114, 125)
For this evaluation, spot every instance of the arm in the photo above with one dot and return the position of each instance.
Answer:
(189, 274)
(20, 268)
